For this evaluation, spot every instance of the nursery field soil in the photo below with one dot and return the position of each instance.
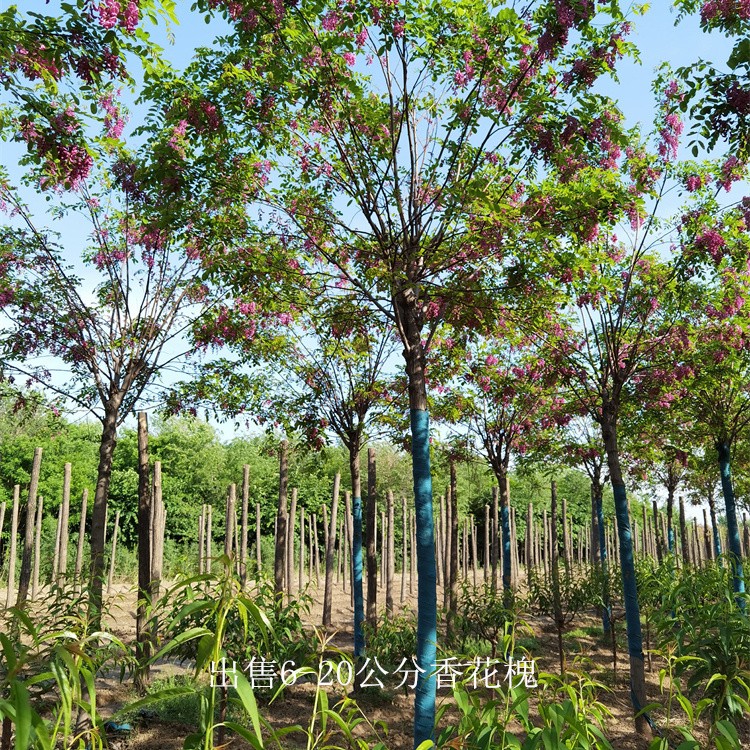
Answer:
(585, 648)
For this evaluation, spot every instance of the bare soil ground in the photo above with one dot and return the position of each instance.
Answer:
(394, 709)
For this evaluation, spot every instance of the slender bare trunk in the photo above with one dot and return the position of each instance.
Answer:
(370, 523)
(99, 513)
(452, 582)
(62, 571)
(143, 639)
(37, 548)
(13, 543)
(331, 543)
(113, 554)
(244, 523)
(390, 546)
(291, 524)
(81, 538)
(281, 512)
(28, 542)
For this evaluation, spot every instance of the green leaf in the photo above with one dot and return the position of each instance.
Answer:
(247, 696)
(740, 54)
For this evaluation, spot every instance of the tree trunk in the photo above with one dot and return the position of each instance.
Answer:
(403, 548)
(440, 543)
(201, 539)
(13, 543)
(452, 582)
(383, 548)
(143, 639)
(487, 558)
(372, 559)
(56, 556)
(696, 544)
(81, 538)
(683, 534)
(445, 547)
(279, 552)
(244, 523)
(555, 570)
(357, 562)
(258, 551)
(331, 543)
(494, 553)
(595, 550)
(424, 703)
(714, 527)
(28, 541)
(502, 481)
(707, 546)
(733, 531)
(339, 554)
(529, 542)
(291, 523)
(670, 512)
(627, 570)
(316, 546)
(565, 536)
(62, 571)
(349, 523)
(99, 513)
(230, 518)
(301, 580)
(391, 551)
(657, 534)
(413, 556)
(474, 551)
(209, 536)
(157, 539)
(113, 554)
(37, 548)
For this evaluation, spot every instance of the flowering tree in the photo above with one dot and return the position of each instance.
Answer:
(321, 369)
(507, 394)
(659, 437)
(581, 444)
(627, 307)
(114, 336)
(719, 99)
(717, 358)
(405, 139)
(56, 67)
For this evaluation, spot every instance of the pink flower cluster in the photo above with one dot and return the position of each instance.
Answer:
(731, 172)
(107, 258)
(694, 182)
(670, 136)
(738, 98)
(114, 123)
(111, 13)
(712, 243)
(176, 141)
(32, 65)
(331, 21)
(464, 75)
(725, 10)
(65, 161)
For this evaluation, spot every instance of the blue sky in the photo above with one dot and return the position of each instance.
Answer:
(655, 34)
